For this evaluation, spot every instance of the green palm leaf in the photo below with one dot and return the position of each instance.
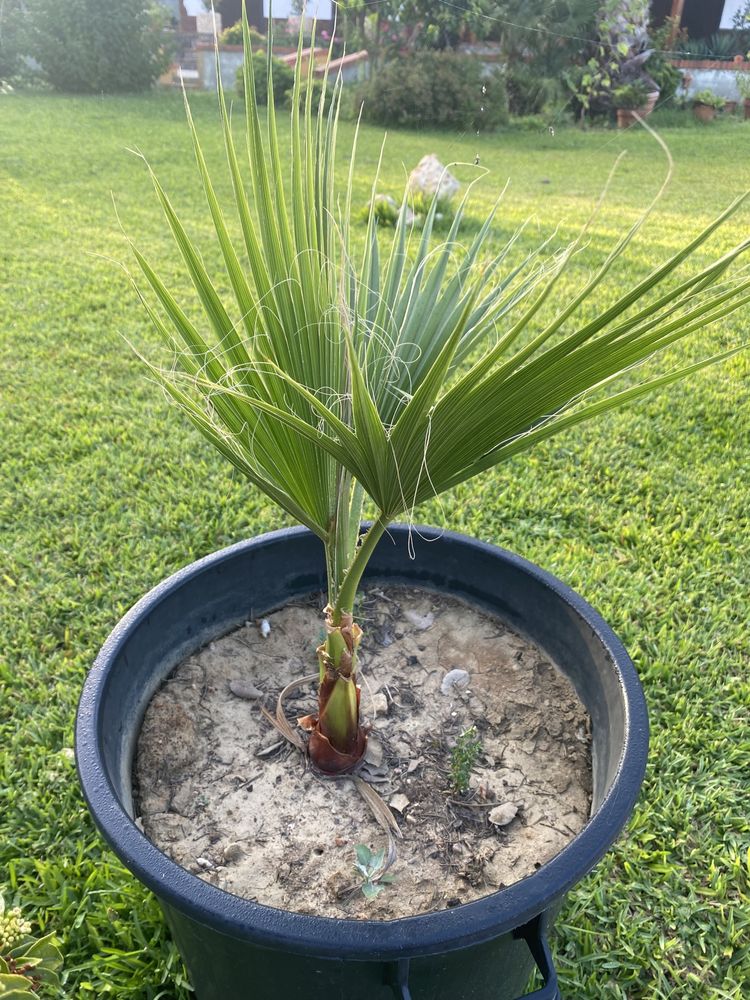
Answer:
(402, 371)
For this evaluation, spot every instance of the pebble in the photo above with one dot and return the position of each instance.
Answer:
(502, 815)
(374, 752)
(454, 679)
(379, 704)
(243, 689)
(399, 802)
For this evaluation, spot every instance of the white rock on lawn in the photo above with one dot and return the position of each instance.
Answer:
(430, 176)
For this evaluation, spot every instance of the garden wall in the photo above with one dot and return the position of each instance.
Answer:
(710, 74)
(354, 67)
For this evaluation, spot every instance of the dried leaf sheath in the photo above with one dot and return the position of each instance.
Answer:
(337, 740)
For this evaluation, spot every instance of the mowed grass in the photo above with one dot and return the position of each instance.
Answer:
(106, 490)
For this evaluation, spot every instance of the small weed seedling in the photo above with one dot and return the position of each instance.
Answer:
(371, 866)
(463, 757)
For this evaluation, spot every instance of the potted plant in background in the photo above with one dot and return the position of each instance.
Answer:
(335, 380)
(706, 104)
(743, 86)
(630, 101)
(620, 58)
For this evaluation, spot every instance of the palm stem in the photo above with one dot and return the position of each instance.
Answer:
(348, 591)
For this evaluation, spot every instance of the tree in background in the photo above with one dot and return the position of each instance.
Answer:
(98, 46)
(539, 40)
(364, 24)
(617, 56)
(442, 26)
(13, 40)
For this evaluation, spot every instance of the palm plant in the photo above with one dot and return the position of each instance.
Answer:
(393, 376)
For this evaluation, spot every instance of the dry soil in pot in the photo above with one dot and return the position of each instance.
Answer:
(221, 793)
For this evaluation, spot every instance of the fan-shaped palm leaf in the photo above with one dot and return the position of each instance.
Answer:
(399, 375)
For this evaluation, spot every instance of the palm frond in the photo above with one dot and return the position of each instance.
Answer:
(406, 368)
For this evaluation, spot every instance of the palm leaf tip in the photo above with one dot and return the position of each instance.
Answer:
(406, 366)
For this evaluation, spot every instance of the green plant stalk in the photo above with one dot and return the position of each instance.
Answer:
(338, 719)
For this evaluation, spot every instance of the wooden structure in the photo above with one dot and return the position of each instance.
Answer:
(700, 18)
(231, 12)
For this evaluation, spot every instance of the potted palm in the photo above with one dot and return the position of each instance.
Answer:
(393, 377)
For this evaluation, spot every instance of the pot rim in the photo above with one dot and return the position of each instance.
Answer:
(330, 937)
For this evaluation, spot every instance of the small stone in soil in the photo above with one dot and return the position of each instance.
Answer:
(379, 704)
(420, 622)
(374, 752)
(241, 689)
(454, 679)
(503, 815)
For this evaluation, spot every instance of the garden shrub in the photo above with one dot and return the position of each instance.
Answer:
(666, 76)
(528, 93)
(94, 46)
(283, 80)
(317, 91)
(13, 38)
(233, 36)
(443, 89)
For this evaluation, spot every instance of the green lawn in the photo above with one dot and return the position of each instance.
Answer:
(105, 491)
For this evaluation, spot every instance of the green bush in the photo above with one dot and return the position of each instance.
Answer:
(529, 93)
(13, 38)
(283, 80)
(233, 36)
(631, 97)
(710, 99)
(666, 76)
(442, 89)
(93, 46)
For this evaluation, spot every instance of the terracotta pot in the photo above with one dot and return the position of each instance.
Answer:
(626, 116)
(704, 112)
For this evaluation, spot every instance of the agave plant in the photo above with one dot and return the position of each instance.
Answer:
(390, 375)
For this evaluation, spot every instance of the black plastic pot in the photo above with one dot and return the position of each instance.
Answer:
(239, 950)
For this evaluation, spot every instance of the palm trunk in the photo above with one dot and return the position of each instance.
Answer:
(337, 740)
